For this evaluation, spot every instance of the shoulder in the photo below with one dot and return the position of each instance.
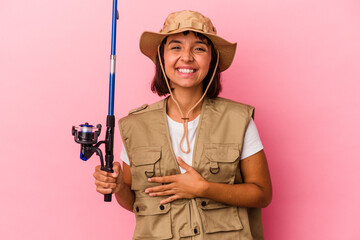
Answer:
(141, 118)
(148, 108)
(230, 105)
(144, 109)
(138, 109)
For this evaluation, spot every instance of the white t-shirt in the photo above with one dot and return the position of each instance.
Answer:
(252, 143)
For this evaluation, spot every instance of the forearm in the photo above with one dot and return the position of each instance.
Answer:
(243, 195)
(125, 197)
(256, 191)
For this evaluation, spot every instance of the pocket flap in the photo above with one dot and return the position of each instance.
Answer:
(150, 206)
(218, 217)
(145, 156)
(222, 153)
(208, 204)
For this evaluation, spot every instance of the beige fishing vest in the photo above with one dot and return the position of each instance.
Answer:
(216, 157)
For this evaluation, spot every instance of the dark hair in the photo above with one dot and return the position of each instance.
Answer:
(159, 86)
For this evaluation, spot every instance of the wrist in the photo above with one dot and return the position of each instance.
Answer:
(204, 187)
(121, 186)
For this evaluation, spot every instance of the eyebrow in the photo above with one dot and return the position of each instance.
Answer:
(177, 41)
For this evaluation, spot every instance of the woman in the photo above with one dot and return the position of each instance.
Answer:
(198, 175)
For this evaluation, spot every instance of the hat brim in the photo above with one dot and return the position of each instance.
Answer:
(149, 42)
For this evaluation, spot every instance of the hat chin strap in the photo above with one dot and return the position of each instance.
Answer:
(186, 119)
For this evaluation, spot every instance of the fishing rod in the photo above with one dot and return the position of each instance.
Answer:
(86, 134)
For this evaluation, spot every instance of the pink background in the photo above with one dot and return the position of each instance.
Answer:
(297, 62)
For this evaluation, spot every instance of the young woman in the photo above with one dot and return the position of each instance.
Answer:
(194, 166)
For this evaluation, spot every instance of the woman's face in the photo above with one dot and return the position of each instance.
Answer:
(187, 60)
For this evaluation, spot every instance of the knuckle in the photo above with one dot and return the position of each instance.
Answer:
(111, 180)
(100, 190)
(96, 182)
(116, 165)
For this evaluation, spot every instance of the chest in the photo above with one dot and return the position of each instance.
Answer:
(215, 152)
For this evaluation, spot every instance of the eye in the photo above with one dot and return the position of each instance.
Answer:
(200, 49)
(175, 47)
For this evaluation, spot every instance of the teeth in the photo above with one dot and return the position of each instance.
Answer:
(185, 70)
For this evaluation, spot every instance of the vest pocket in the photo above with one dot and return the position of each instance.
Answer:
(218, 217)
(221, 162)
(153, 220)
(144, 164)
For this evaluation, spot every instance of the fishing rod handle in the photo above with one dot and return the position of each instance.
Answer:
(107, 197)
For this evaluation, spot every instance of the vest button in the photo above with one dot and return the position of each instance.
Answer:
(203, 203)
(162, 207)
(195, 231)
(137, 209)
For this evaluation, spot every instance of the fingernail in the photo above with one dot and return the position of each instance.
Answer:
(149, 179)
(147, 190)
(151, 194)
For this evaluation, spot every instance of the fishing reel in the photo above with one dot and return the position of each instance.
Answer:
(87, 136)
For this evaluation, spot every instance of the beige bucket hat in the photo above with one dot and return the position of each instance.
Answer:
(182, 21)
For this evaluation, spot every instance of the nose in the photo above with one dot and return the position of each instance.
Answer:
(187, 55)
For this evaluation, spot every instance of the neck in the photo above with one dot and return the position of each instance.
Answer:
(186, 101)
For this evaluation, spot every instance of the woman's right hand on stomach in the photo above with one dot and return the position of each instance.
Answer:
(108, 182)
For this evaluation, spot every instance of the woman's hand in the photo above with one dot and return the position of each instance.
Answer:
(108, 182)
(187, 185)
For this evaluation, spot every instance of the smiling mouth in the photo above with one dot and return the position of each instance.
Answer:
(186, 70)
